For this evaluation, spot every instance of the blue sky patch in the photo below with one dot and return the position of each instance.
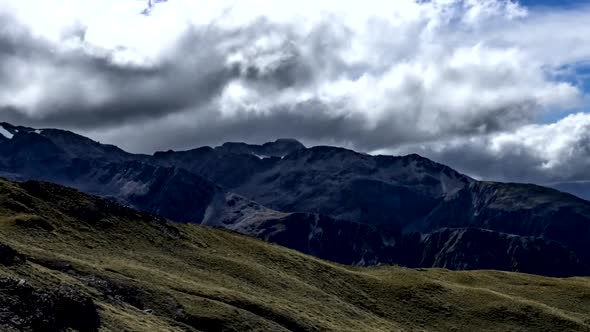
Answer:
(556, 3)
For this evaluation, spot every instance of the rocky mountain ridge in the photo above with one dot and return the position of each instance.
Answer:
(330, 202)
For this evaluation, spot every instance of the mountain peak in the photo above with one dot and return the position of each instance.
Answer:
(282, 147)
(279, 148)
(8, 130)
(289, 141)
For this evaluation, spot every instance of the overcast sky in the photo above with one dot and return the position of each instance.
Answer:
(494, 88)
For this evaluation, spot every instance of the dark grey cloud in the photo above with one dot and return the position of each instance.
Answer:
(513, 163)
(86, 88)
(313, 126)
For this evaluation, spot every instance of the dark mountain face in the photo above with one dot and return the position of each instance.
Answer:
(69, 159)
(30, 154)
(452, 248)
(232, 163)
(525, 210)
(333, 203)
(472, 248)
(279, 148)
(171, 192)
(392, 191)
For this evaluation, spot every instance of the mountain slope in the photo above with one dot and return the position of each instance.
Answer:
(124, 270)
(519, 209)
(69, 159)
(389, 208)
(329, 202)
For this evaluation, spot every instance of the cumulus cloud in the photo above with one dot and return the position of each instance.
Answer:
(374, 75)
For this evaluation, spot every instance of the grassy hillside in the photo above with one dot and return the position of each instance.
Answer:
(140, 273)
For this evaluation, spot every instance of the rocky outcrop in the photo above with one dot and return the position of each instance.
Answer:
(9, 256)
(29, 308)
(471, 248)
(456, 249)
(325, 237)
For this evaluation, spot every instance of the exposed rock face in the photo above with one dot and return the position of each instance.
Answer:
(28, 308)
(325, 237)
(9, 256)
(392, 191)
(471, 248)
(523, 210)
(456, 249)
(171, 192)
(331, 202)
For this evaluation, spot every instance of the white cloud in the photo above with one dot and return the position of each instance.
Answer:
(549, 153)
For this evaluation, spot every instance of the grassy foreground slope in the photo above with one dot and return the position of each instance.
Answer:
(135, 272)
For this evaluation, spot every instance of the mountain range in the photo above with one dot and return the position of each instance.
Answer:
(329, 202)
(74, 262)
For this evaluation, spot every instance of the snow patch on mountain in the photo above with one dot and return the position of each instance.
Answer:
(259, 156)
(5, 133)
